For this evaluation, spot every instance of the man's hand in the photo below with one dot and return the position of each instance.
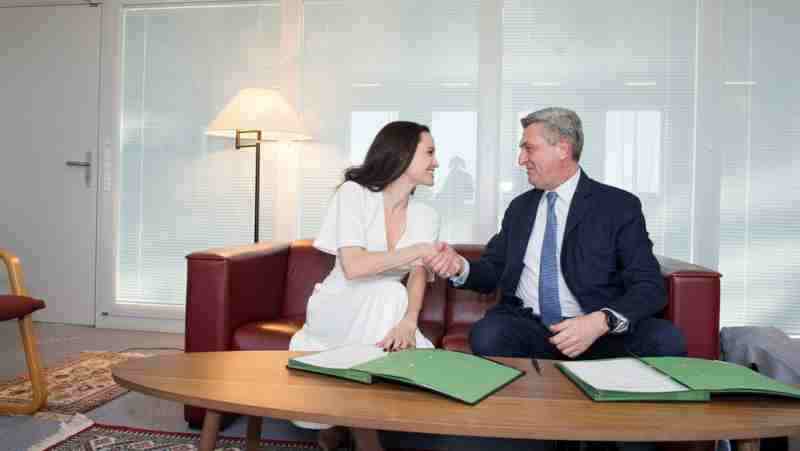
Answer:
(574, 336)
(446, 263)
(401, 336)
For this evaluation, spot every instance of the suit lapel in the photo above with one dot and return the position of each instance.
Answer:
(580, 203)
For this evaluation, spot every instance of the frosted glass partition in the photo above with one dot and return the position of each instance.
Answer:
(636, 71)
(759, 248)
(628, 69)
(180, 190)
(366, 63)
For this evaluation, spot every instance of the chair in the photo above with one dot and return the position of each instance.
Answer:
(18, 305)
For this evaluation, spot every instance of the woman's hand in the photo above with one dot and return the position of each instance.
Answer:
(446, 262)
(401, 336)
(424, 251)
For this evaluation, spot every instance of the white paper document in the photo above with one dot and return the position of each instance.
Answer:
(631, 375)
(343, 357)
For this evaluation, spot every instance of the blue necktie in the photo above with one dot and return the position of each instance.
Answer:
(549, 307)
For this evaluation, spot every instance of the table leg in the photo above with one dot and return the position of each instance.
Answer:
(253, 433)
(208, 436)
(750, 444)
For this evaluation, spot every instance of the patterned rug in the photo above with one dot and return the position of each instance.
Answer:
(101, 437)
(75, 386)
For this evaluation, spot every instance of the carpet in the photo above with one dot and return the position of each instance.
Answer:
(101, 437)
(81, 434)
(76, 385)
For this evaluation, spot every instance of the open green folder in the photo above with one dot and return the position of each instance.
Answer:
(668, 379)
(461, 376)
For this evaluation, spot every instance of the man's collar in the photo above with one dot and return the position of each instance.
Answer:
(567, 189)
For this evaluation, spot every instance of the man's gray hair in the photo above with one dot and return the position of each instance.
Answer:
(559, 123)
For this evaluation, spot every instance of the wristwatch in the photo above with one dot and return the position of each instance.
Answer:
(612, 321)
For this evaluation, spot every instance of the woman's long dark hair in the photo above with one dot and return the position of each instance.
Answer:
(388, 156)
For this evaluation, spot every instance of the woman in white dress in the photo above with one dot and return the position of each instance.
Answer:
(378, 234)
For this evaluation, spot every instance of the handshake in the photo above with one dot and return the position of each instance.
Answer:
(442, 259)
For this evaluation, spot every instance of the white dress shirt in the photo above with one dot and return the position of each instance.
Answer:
(528, 288)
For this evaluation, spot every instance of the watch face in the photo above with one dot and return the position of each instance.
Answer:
(611, 320)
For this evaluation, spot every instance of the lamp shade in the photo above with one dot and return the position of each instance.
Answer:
(259, 109)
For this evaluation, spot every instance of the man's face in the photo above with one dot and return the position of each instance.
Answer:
(544, 162)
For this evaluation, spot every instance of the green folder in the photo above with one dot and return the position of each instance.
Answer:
(460, 376)
(668, 379)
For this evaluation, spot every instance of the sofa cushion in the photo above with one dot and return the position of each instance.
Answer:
(434, 303)
(466, 306)
(275, 334)
(266, 335)
(457, 338)
(433, 331)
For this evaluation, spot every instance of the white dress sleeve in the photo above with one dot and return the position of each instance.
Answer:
(344, 223)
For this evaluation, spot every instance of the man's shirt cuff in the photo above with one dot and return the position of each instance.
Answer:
(459, 280)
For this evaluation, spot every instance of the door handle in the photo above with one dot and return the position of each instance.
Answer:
(84, 164)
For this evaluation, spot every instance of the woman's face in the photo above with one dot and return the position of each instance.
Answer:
(420, 171)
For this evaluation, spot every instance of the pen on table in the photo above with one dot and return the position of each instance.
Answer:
(536, 366)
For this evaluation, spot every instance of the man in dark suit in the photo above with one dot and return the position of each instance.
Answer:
(573, 260)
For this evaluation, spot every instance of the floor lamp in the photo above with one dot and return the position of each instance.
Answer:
(263, 115)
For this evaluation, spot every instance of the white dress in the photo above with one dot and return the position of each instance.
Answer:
(363, 310)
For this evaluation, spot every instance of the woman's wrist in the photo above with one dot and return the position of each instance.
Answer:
(420, 250)
(412, 317)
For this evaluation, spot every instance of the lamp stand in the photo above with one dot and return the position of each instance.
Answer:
(257, 146)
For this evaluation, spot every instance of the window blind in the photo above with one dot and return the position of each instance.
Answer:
(180, 190)
(759, 216)
(627, 68)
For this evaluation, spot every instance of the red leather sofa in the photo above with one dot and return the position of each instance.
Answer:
(254, 298)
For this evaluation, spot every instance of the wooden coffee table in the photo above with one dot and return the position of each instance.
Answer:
(545, 407)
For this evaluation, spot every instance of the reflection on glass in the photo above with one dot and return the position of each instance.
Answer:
(455, 135)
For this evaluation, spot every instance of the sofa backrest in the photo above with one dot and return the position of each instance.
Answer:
(309, 266)
(467, 306)
(444, 305)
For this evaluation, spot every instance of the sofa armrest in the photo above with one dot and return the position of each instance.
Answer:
(229, 287)
(693, 294)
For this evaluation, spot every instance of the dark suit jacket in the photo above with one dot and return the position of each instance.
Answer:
(606, 257)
